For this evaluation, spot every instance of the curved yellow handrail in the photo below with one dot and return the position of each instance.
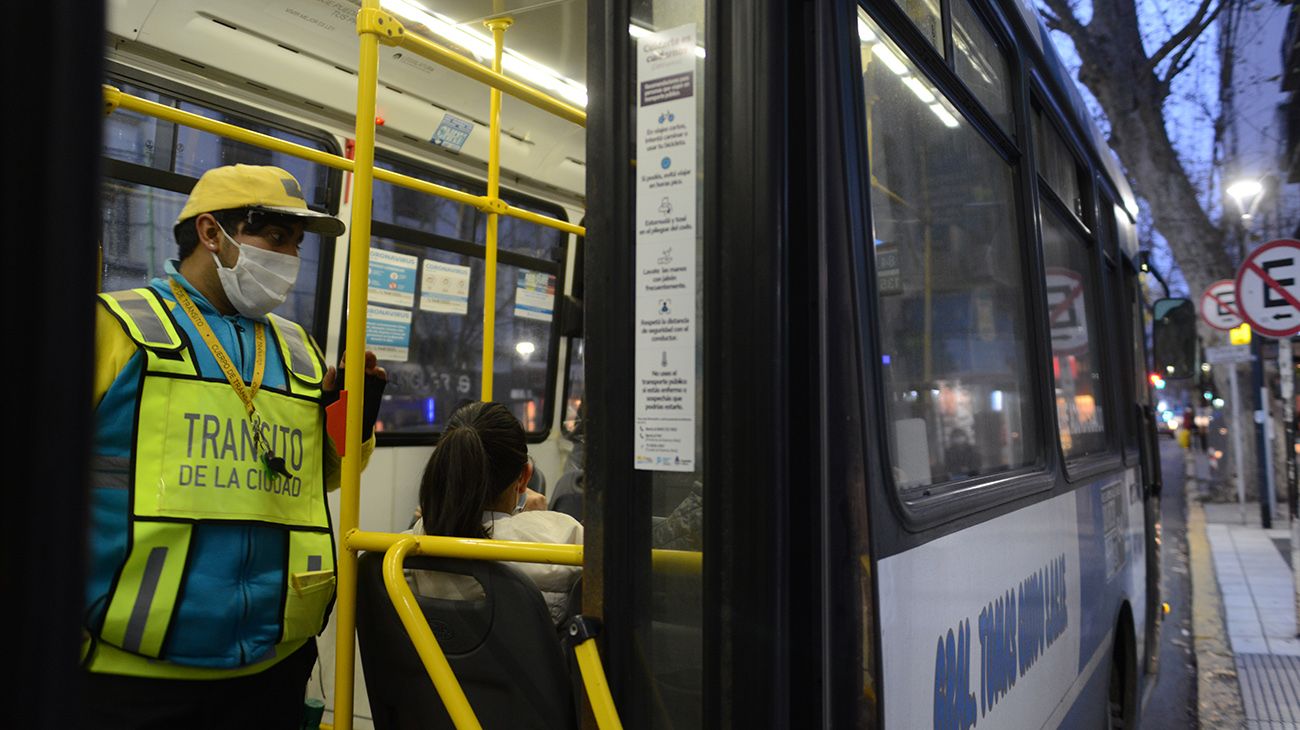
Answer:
(435, 662)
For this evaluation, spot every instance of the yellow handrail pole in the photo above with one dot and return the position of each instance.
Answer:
(593, 678)
(673, 562)
(493, 78)
(531, 217)
(116, 99)
(435, 662)
(498, 26)
(369, 24)
(470, 548)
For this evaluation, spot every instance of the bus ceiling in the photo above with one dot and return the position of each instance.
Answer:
(305, 55)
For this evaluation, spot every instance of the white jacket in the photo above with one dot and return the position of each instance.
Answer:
(554, 581)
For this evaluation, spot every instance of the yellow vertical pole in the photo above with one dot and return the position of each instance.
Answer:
(498, 27)
(354, 359)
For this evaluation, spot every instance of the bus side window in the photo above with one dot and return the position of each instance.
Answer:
(425, 318)
(149, 168)
(951, 302)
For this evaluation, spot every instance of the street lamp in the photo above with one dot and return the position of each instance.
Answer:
(1248, 194)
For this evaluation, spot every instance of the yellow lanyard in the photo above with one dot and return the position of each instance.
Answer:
(246, 393)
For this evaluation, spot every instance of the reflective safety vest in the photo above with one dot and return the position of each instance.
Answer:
(195, 461)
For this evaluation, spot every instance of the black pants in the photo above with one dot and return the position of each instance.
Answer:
(272, 699)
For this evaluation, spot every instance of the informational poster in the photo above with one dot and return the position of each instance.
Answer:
(666, 192)
(444, 288)
(388, 333)
(452, 132)
(392, 277)
(535, 296)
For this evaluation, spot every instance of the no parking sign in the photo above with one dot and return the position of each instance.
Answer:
(1219, 305)
(1268, 288)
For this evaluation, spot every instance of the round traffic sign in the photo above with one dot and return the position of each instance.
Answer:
(1219, 305)
(1067, 314)
(1268, 288)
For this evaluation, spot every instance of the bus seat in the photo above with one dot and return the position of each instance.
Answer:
(570, 503)
(538, 481)
(503, 649)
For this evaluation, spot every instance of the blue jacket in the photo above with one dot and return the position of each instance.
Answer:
(229, 611)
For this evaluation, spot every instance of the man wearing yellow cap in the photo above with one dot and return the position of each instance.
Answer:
(212, 557)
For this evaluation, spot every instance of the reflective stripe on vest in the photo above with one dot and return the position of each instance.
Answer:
(195, 460)
(144, 316)
(141, 606)
(300, 355)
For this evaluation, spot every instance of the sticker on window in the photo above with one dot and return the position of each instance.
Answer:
(392, 277)
(388, 333)
(535, 296)
(444, 288)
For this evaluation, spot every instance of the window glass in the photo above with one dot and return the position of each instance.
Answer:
(925, 14)
(138, 236)
(134, 137)
(420, 211)
(575, 386)
(1056, 164)
(1076, 351)
(530, 239)
(981, 63)
(952, 305)
(437, 361)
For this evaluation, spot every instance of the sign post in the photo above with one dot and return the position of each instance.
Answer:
(1268, 297)
(1231, 355)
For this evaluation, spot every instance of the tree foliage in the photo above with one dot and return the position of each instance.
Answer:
(1133, 86)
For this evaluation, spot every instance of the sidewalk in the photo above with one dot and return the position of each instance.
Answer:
(1256, 611)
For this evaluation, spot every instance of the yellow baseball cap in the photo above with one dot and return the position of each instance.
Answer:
(256, 186)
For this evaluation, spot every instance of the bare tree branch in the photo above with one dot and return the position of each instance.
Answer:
(1175, 67)
(1062, 17)
(1186, 37)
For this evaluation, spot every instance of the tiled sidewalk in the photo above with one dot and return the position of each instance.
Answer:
(1259, 611)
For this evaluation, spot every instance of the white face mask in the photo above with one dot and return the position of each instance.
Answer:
(260, 280)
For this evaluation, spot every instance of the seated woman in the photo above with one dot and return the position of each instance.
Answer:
(475, 485)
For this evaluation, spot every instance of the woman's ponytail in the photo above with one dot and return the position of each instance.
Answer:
(482, 452)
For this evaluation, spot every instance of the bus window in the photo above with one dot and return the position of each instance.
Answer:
(430, 340)
(1072, 315)
(575, 387)
(525, 237)
(1057, 166)
(952, 311)
(981, 63)
(925, 14)
(141, 196)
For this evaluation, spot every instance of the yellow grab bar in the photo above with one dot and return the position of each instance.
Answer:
(435, 662)
(673, 562)
(115, 99)
(593, 676)
(391, 33)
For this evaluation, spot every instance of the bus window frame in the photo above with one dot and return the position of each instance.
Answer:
(1130, 287)
(576, 292)
(418, 238)
(1076, 469)
(1117, 302)
(130, 172)
(919, 51)
(948, 502)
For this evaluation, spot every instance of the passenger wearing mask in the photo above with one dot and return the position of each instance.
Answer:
(476, 485)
